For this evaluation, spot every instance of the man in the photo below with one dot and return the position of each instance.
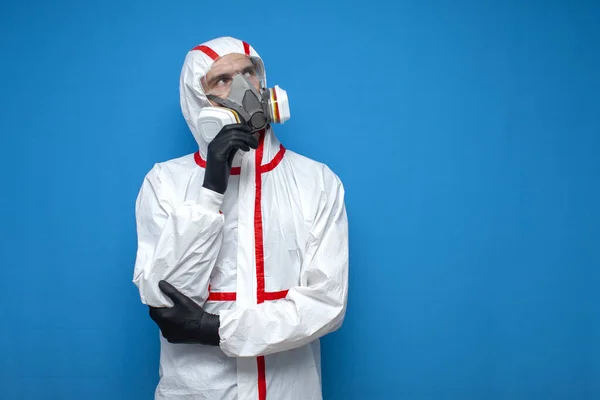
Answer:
(242, 250)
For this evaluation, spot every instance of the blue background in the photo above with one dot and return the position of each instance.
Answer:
(467, 135)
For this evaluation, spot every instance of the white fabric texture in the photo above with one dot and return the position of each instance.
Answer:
(270, 256)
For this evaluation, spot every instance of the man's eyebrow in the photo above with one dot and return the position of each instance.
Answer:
(218, 78)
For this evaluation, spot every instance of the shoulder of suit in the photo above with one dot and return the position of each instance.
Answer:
(176, 167)
(186, 161)
(312, 168)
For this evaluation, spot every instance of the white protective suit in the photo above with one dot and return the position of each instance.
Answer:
(270, 257)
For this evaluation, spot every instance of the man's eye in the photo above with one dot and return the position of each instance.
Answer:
(250, 73)
(222, 81)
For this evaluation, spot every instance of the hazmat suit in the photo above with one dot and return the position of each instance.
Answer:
(269, 257)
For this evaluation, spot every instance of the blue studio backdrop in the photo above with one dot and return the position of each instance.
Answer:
(466, 133)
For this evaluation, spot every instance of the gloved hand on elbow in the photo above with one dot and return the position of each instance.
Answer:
(221, 151)
(186, 321)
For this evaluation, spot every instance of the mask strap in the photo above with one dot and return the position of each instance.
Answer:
(231, 105)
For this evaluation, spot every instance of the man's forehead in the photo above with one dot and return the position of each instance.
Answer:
(230, 63)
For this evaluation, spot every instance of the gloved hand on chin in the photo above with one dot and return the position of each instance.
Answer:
(186, 321)
(221, 151)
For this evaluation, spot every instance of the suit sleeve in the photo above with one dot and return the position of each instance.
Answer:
(177, 241)
(311, 310)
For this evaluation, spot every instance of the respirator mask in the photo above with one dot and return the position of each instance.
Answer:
(241, 102)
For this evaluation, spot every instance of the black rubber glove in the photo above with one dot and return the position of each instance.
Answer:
(186, 321)
(221, 151)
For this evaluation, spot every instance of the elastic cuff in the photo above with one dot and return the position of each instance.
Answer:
(210, 199)
(222, 337)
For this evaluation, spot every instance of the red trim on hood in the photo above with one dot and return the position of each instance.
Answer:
(274, 162)
(202, 163)
(262, 169)
(246, 48)
(199, 160)
(208, 51)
